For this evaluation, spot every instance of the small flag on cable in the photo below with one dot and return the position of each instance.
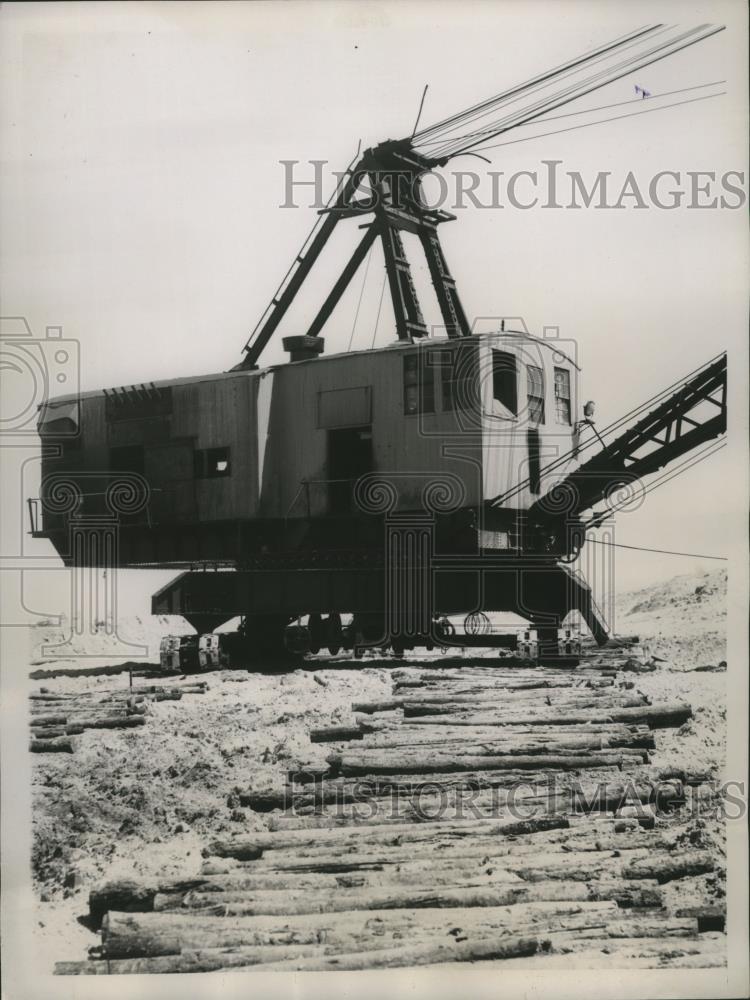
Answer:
(641, 91)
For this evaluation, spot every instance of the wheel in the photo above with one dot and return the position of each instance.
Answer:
(317, 630)
(333, 637)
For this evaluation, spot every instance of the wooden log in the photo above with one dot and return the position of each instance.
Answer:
(132, 935)
(548, 692)
(134, 895)
(203, 960)
(423, 732)
(41, 696)
(53, 732)
(368, 800)
(122, 722)
(90, 707)
(669, 867)
(430, 953)
(244, 889)
(281, 798)
(238, 895)
(98, 722)
(333, 734)
(407, 784)
(315, 860)
(438, 705)
(438, 763)
(387, 705)
(501, 746)
(656, 716)
(146, 896)
(394, 897)
(51, 746)
(253, 846)
(465, 856)
(652, 926)
(570, 861)
(432, 803)
(49, 720)
(407, 734)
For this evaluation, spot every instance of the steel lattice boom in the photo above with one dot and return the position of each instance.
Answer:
(692, 415)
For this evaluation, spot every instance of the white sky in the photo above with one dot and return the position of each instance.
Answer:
(141, 184)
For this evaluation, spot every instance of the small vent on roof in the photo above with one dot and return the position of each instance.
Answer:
(303, 348)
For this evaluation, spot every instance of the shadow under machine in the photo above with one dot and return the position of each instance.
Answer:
(373, 493)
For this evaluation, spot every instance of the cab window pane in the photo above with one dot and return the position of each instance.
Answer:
(535, 399)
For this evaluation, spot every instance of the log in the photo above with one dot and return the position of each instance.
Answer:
(134, 895)
(121, 721)
(301, 801)
(147, 896)
(455, 836)
(547, 692)
(53, 732)
(133, 935)
(252, 847)
(464, 855)
(388, 704)
(282, 798)
(112, 722)
(669, 867)
(280, 903)
(211, 901)
(51, 746)
(438, 705)
(656, 716)
(433, 798)
(652, 926)
(430, 802)
(333, 734)
(204, 960)
(502, 746)
(422, 735)
(440, 763)
(492, 948)
(406, 784)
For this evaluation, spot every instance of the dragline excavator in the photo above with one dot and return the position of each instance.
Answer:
(368, 497)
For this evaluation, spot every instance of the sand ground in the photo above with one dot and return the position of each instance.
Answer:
(140, 802)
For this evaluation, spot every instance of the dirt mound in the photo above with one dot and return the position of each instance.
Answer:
(681, 592)
(682, 621)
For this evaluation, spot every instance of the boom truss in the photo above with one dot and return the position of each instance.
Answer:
(691, 415)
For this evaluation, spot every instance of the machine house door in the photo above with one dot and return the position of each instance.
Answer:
(169, 471)
(349, 457)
